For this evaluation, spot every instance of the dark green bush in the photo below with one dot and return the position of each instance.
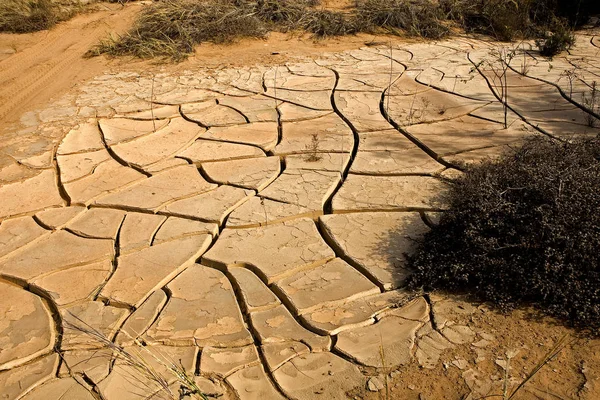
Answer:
(510, 19)
(551, 43)
(523, 230)
(502, 19)
(576, 12)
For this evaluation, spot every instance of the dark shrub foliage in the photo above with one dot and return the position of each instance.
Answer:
(416, 17)
(577, 12)
(551, 43)
(523, 229)
(510, 19)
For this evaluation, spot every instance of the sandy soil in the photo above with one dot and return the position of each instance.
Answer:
(47, 64)
(524, 332)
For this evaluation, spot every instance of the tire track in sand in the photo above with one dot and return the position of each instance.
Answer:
(56, 61)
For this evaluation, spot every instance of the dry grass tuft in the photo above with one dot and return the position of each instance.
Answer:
(22, 16)
(282, 14)
(172, 28)
(416, 17)
(151, 370)
(287, 15)
(324, 23)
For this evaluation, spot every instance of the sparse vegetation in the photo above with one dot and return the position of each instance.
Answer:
(150, 368)
(416, 115)
(592, 103)
(281, 13)
(313, 149)
(503, 19)
(287, 15)
(572, 76)
(499, 66)
(523, 230)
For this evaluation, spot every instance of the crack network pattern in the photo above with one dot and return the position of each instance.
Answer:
(252, 223)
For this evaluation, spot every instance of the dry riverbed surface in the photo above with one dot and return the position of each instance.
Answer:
(252, 222)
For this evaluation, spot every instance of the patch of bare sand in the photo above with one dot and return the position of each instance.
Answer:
(44, 65)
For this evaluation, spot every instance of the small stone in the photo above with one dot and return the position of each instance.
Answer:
(504, 364)
(460, 363)
(374, 384)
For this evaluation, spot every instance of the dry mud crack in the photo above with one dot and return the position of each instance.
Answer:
(253, 223)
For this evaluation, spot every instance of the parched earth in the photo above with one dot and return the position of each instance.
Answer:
(252, 224)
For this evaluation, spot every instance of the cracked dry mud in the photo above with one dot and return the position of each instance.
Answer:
(253, 223)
